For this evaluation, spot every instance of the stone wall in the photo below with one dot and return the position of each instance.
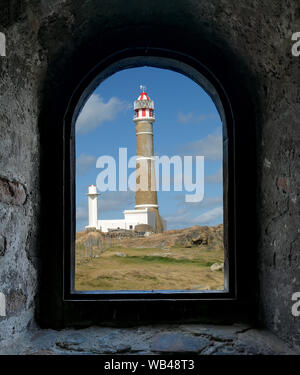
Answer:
(46, 38)
(19, 167)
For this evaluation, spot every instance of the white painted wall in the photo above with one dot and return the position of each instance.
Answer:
(93, 211)
(131, 218)
(93, 206)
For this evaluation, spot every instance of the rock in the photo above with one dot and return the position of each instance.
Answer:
(2, 245)
(217, 267)
(12, 192)
(40, 352)
(44, 339)
(73, 342)
(200, 240)
(178, 342)
(123, 349)
(16, 301)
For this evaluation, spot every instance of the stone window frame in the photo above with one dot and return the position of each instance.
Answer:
(92, 307)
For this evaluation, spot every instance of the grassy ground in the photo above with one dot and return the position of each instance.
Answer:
(128, 268)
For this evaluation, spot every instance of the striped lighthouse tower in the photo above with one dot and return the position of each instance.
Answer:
(146, 194)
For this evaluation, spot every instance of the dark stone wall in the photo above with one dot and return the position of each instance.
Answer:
(51, 44)
(19, 167)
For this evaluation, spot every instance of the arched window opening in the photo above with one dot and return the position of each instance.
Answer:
(151, 198)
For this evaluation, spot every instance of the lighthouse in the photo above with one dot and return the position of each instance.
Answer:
(93, 206)
(146, 193)
(146, 210)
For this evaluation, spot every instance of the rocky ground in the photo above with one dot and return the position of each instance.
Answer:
(173, 339)
(209, 237)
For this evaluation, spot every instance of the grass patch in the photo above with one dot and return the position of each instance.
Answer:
(163, 260)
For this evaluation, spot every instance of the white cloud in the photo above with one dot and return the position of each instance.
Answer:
(207, 202)
(209, 216)
(180, 218)
(207, 212)
(211, 147)
(184, 118)
(187, 118)
(82, 212)
(84, 163)
(95, 112)
(184, 218)
(216, 178)
(109, 201)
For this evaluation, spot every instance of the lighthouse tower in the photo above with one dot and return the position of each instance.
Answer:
(146, 194)
(146, 206)
(93, 207)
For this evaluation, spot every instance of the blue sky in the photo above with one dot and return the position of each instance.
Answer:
(187, 123)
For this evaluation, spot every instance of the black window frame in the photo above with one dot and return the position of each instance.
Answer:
(127, 307)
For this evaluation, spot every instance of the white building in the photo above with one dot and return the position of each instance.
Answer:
(131, 217)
